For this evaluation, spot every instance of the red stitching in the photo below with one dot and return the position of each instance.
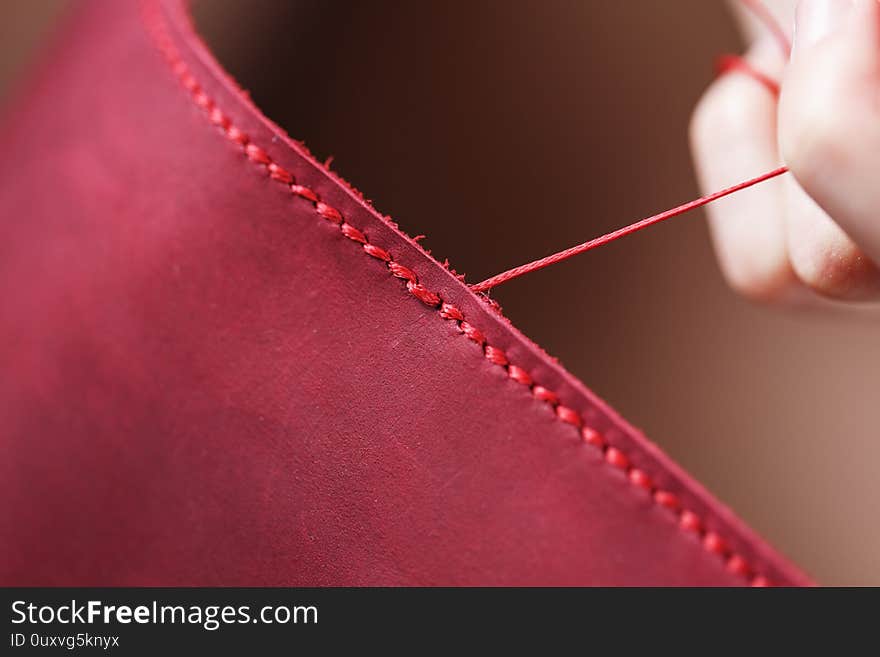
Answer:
(714, 543)
(332, 214)
(593, 437)
(640, 479)
(279, 174)
(667, 499)
(377, 252)
(519, 375)
(687, 520)
(448, 311)
(569, 415)
(495, 355)
(542, 393)
(617, 458)
(691, 522)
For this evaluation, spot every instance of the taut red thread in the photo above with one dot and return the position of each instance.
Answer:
(724, 64)
(516, 272)
(729, 63)
(687, 520)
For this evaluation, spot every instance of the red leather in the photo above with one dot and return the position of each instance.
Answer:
(208, 380)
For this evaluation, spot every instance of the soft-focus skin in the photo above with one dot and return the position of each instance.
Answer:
(816, 232)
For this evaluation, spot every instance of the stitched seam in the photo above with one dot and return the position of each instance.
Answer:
(687, 520)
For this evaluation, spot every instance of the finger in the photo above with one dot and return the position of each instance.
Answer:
(822, 255)
(830, 137)
(781, 13)
(733, 136)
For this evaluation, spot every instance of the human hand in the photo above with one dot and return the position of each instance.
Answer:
(817, 230)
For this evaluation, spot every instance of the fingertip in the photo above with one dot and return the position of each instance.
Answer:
(829, 136)
(827, 262)
(766, 278)
(733, 135)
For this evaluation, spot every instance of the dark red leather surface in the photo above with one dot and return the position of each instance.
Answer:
(203, 381)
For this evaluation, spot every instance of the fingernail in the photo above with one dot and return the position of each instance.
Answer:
(816, 19)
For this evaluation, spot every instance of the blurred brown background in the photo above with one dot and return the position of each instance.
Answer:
(508, 130)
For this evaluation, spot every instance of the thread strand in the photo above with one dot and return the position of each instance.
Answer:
(724, 64)
(516, 272)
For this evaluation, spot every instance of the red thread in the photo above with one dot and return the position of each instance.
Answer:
(304, 192)
(540, 392)
(519, 375)
(612, 455)
(402, 272)
(218, 118)
(516, 272)
(737, 565)
(667, 499)
(257, 154)
(353, 233)
(724, 64)
(727, 63)
(423, 294)
(690, 521)
(616, 458)
(569, 415)
(279, 174)
(378, 253)
(495, 355)
(592, 437)
(448, 311)
(714, 543)
(332, 214)
(472, 332)
(640, 479)
(203, 101)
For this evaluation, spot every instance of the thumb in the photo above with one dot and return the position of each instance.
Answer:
(829, 113)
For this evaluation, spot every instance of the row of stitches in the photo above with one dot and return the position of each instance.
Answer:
(687, 520)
